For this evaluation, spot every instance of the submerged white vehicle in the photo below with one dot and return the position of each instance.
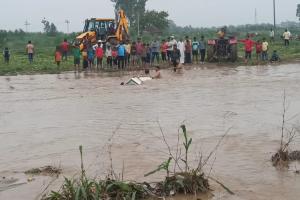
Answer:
(138, 80)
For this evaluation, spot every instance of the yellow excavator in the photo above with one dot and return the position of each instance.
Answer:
(107, 30)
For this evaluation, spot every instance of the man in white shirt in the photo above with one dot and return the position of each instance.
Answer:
(171, 44)
(30, 51)
(286, 37)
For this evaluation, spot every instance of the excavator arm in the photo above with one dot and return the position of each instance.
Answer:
(122, 27)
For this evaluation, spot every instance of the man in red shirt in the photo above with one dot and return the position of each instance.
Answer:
(258, 50)
(163, 50)
(248, 48)
(64, 48)
(99, 55)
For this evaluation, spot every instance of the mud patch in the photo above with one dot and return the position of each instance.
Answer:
(294, 156)
(44, 171)
(10, 182)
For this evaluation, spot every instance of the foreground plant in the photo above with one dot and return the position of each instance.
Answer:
(188, 181)
(282, 157)
(85, 189)
(183, 180)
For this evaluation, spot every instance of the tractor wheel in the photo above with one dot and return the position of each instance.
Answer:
(210, 53)
(233, 53)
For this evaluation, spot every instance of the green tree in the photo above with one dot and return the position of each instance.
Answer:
(53, 30)
(49, 28)
(298, 11)
(46, 25)
(3, 37)
(133, 9)
(154, 19)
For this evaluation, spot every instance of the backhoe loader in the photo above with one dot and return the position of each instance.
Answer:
(112, 31)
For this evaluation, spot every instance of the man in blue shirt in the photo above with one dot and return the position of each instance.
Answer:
(121, 55)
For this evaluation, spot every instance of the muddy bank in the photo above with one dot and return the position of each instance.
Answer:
(44, 118)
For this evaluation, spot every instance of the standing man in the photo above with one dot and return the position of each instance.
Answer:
(127, 53)
(265, 48)
(286, 37)
(109, 58)
(181, 47)
(163, 49)
(248, 48)
(6, 55)
(188, 52)
(30, 51)
(258, 48)
(99, 55)
(133, 54)
(139, 51)
(195, 52)
(91, 57)
(171, 44)
(76, 54)
(121, 55)
(175, 57)
(65, 49)
(155, 46)
(202, 49)
(169, 49)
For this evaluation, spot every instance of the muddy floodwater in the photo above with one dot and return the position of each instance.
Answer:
(44, 118)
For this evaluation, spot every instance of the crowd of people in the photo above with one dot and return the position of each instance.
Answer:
(261, 49)
(144, 54)
(139, 54)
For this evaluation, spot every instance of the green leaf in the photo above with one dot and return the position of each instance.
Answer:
(180, 182)
(133, 195)
(152, 172)
(77, 196)
(165, 165)
(183, 128)
(189, 143)
(120, 185)
(84, 195)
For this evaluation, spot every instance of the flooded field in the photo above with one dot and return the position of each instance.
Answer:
(44, 118)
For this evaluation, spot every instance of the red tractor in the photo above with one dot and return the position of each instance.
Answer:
(222, 49)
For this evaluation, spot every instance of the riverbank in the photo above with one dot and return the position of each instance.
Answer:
(44, 61)
(35, 69)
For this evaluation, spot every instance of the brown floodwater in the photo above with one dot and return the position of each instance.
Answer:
(44, 118)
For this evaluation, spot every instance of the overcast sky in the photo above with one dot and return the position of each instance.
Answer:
(198, 13)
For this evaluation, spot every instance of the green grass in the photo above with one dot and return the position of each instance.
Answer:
(43, 63)
(44, 55)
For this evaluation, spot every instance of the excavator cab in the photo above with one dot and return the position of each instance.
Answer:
(102, 27)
